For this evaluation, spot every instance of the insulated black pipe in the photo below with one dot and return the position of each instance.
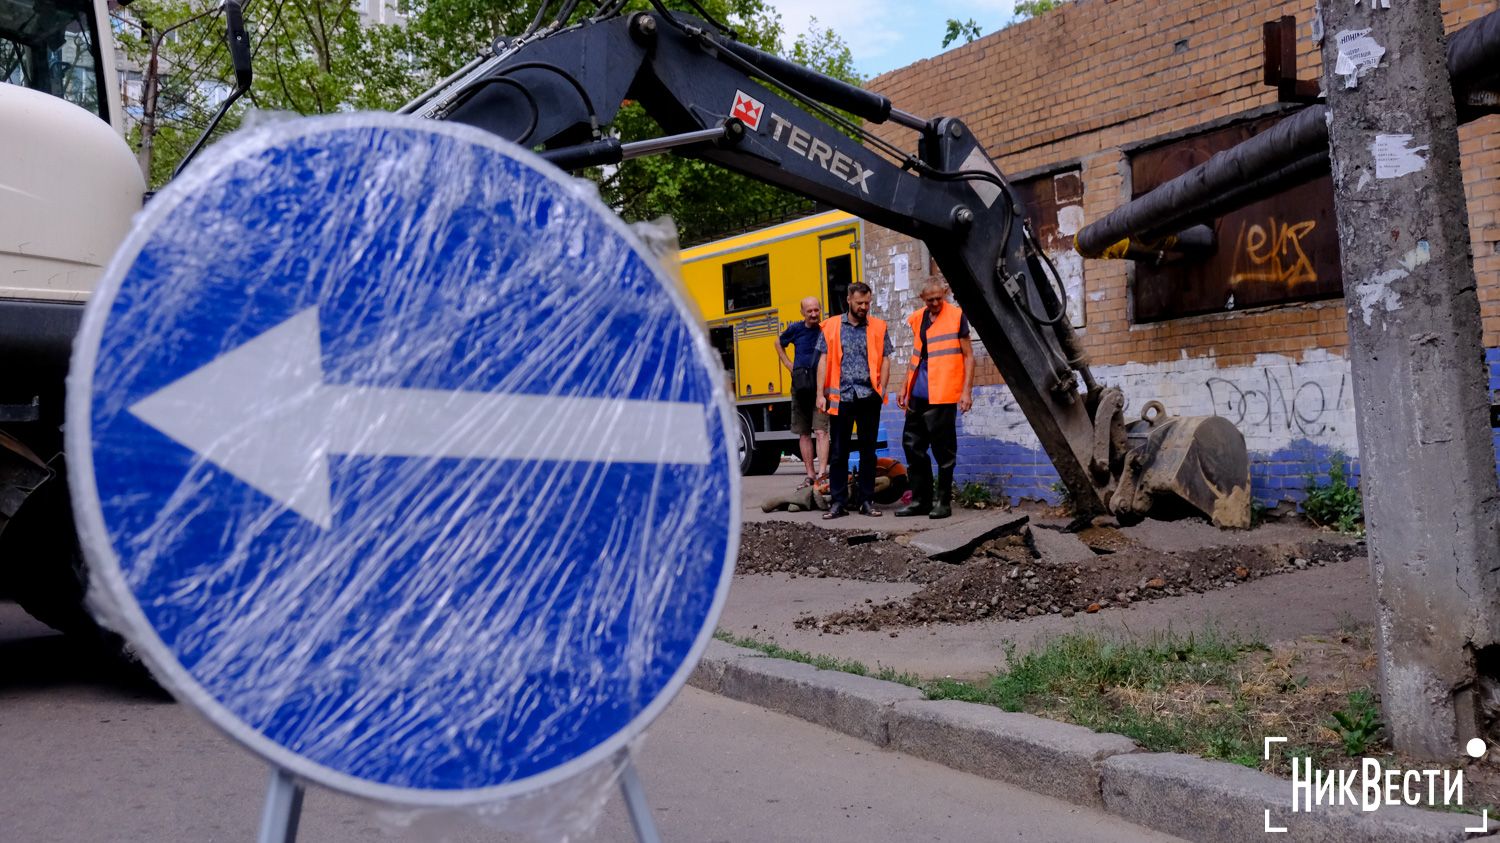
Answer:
(1474, 51)
(1283, 145)
(1286, 178)
(1292, 152)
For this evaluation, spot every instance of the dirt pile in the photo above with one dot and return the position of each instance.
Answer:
(1006, 578)
(803, 550)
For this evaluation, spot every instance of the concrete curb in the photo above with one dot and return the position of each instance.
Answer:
(1178, 794)
(1057, 759)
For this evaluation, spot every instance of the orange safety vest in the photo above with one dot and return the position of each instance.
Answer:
(945, 356)
(875, 345)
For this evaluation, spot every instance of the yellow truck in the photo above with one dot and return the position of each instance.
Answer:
(749, 288)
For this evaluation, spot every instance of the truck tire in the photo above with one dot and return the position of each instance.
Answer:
(43, 570)
(745, 444)
(766, 460)
(42, 563)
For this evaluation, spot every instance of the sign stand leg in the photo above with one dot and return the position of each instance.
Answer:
(278, 821)
(635, 800)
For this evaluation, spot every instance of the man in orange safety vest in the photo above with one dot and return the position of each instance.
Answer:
(853, 369)
(939, 385)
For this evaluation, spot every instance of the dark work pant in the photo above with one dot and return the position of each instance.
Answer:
(934, 427)
(865, 413)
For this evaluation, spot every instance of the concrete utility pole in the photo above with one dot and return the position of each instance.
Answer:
(1427, 464)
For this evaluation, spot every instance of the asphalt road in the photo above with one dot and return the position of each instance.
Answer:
(89, 759)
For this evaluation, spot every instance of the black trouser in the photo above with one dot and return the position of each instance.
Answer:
(864, 412)
(933, 426)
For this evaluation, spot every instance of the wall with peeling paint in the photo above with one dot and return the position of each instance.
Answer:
(1080, 89)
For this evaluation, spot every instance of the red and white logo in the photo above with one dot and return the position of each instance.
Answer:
(747, 109)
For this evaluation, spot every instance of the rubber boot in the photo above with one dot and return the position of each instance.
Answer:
(920, 505)
(913, 509)
(943, 508)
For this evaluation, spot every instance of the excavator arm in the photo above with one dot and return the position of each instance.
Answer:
(717, 99)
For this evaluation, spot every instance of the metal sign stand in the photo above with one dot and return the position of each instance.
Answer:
(278, 821)
(635, 800)
(283, 809)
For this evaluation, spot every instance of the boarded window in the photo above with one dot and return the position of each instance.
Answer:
(1054, 203)
(1282, 249)
(747, 284)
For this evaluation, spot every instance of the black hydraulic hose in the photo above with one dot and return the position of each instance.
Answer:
(473, 88)
(463, 94)
(858, 101)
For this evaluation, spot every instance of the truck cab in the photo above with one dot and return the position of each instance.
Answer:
(69, 186)
(749, 287)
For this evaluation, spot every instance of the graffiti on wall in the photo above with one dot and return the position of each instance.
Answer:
(1274, 253)
(1275, 401)
(1279, 401)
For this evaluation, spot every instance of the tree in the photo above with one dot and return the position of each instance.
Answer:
(967, 30)
(320, 57)
(309, 57)
(704, 199)
(1036, 8)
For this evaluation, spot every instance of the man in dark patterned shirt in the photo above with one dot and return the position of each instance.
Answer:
(853, 368)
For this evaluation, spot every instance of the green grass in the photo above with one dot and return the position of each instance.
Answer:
(1105, 684)
(1094, 681)
(821, 662)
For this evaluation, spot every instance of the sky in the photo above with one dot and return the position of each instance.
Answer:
(887, 34)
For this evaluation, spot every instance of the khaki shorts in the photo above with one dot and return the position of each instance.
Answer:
(800, 423)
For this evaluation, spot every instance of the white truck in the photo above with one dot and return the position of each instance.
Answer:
(69, 185)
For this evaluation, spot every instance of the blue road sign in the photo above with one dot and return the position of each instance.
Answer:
(396, 455)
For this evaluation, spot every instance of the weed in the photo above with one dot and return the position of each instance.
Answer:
(1258, 511)
(1064, 497)
(1359, 723)
(1335, 503)
(974, 495)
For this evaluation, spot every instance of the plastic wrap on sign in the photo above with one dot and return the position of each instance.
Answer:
(399, 457)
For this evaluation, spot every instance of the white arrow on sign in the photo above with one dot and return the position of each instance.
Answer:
(263, 413)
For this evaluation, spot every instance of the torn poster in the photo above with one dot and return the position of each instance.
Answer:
(1396, 157)
(1358, 54)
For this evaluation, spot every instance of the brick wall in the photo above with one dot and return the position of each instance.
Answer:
(1081, 87)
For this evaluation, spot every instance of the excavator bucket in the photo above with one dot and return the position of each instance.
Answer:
(1199, 461)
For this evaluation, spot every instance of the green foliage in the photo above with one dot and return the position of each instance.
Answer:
(1359, 723)
(316, 57)
(704, 199)
(1036, 8)
(1335, 503)
(308, 56)
(1064, 496)
(1258, 511)
(1077, 677)
(974, 495)
(967, 30)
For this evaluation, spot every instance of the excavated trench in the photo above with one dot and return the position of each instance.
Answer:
(1015, 576)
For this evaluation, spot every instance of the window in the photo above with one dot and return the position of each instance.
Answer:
(747, 284)
(1278, 250)
(1054, 204)
(840, 271)
(50, 46)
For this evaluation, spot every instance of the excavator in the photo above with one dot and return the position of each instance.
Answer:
(555, 89)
